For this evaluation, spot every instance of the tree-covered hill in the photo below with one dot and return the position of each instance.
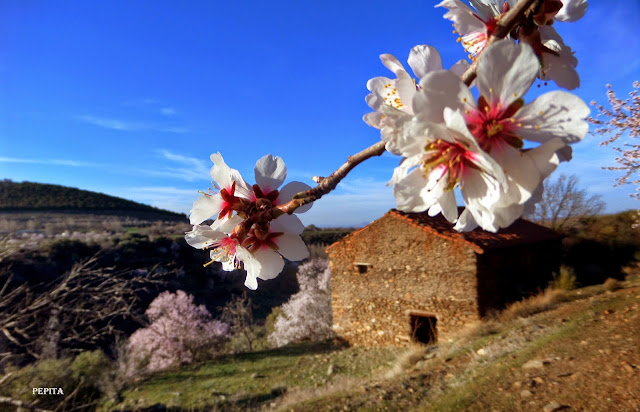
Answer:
(29, 196)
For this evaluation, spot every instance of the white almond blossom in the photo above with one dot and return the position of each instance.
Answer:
(250, 236)
(500, 122)
(476, 25)
(557, 61)
(391, 98)
(439, 158)
(231, 186)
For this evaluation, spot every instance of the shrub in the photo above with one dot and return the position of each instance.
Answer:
(84, 380)
(611, 284)
(307, 315)
(539, 303)
(180, 332)
(566, 280)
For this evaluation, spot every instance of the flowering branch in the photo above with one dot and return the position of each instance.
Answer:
(524, 8)
(504, 26)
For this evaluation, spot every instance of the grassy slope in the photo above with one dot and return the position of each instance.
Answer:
(249, 380)
(595, 333)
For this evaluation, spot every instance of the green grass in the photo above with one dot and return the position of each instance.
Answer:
(230, 381)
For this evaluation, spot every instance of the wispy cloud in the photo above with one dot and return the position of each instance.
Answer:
(168, 111)
(62, 162)
(130, 126)
(186, 167)
(113, 124)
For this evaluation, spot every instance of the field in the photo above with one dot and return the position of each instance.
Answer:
(565, 349)
(582, 353)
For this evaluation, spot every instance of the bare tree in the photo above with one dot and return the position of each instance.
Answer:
(622, 121)
(77, 311)
(238, 313)
(563, 202)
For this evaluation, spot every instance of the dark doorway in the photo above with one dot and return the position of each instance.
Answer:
(423, 327)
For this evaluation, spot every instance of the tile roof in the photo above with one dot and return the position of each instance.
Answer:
(520, 232)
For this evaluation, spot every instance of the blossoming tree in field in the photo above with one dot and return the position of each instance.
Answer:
(180, 332)
(307, 314)
(495, 149)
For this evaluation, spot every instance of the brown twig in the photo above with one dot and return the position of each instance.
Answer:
(523, 9)
(329, 183)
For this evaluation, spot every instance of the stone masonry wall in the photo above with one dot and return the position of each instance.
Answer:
(409, 269)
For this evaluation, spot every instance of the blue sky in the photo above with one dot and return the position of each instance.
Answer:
(130, 98)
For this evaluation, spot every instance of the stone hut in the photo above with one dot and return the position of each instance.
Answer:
(409, 276)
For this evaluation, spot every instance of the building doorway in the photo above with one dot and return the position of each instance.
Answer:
(423, 327)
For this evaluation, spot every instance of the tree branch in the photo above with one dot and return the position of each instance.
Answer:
(327, 184)
(523, 9)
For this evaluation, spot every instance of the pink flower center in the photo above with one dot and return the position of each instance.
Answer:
(261, 238)
(447, 157)
(493, 125)
(224, 250)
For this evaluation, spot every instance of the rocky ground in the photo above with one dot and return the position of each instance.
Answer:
(584, 355)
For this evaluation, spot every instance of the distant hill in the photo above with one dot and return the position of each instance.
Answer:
(29, 196)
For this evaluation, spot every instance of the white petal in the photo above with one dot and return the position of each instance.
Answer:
(465, 222)
(227, 265)
(487, 8)
(373, 119)
(462, 16)
(292, 247)
(270, 172)
(560, 68)
(267, 264)
(224, 176)
(506, 71)
(290, 189)
(251, 282)
(448, 205)
(202, 236)
(377, 86)
(393, 64)
(440, 89)
(287, 223)
(204, 207)
(554, 114)
(572, 10)
(424, 59)
(417, 192)
(226, 225)
(460, 67)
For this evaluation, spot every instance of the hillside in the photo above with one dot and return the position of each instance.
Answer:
(29, 196)
(562, 350)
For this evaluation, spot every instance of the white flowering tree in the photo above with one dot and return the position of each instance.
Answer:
(496, 149)
(307, 314)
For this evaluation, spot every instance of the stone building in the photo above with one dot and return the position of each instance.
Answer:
(409, 276)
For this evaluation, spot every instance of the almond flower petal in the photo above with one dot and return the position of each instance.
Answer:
(270, 173)
(205, 207)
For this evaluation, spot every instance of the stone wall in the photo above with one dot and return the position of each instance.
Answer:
(407, 268)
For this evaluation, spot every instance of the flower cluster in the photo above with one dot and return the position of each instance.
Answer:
(475, 27)
(248, 227)
(487, 145)
(449, 139)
